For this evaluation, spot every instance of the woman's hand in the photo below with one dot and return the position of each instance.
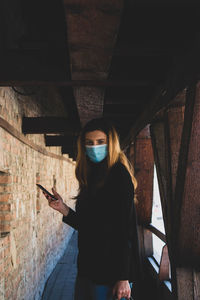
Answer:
(122, 290)
(58, 204)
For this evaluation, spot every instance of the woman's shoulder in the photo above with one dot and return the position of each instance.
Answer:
(121, 178)
(120, 169)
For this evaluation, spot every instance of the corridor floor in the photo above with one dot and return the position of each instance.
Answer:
(60, 284)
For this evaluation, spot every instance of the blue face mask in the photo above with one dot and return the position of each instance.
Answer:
(96, 153)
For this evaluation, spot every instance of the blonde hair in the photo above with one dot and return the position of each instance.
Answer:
(115, 154)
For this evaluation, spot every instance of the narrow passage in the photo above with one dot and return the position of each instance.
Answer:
(60, 285)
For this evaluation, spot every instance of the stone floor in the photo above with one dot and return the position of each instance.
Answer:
(60, 284)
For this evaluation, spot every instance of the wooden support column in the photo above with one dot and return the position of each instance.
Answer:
(187, 226)
(188, 182)
(141, 156)
(175, 139)
(166, 133)
(144, 164)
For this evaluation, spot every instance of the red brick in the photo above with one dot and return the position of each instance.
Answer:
(1, 268)
(5, 179)
(15, 179)
(3, 188)
(4, 227)
(5, 207)
(5, 197)
(5, 217)
(1, 253)
(6, 252)
(8, 293)
(38, 205)
(6, 241)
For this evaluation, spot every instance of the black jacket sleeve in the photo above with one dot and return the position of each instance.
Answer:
(71, 219)
(126, 219)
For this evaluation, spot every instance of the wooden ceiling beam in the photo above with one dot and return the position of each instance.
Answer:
(60, 140)
(80, 83)
(184, 73)
(40, 125)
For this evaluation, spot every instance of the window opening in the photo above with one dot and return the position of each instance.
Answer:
(157, 219)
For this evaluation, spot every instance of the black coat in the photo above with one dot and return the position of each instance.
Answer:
(106, 222)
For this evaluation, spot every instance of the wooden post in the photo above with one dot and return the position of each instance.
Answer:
(188, 183)
(175, 140)
(141, 157)
(166, 137)
(187, 226)
(144, 165)
(174, 120)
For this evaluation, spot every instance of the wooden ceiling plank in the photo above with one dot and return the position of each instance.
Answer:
(40, 125)
(60, 140)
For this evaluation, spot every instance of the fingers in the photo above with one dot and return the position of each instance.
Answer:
(55, 193)
(119, 293)
(49, 198)
(57, 196)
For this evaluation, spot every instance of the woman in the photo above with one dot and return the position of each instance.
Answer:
(105, 215)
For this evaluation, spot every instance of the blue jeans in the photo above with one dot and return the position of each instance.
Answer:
(85, 289)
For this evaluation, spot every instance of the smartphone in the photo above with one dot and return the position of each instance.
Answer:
(47, 192)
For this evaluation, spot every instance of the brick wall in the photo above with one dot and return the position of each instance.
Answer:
(33, 236)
